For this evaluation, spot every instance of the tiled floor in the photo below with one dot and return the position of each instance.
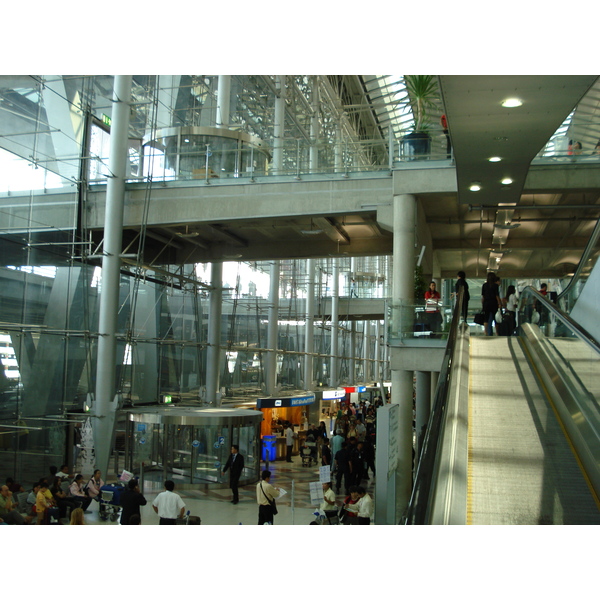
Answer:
(214, 507)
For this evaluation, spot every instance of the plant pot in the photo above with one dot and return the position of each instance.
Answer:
(416, 145)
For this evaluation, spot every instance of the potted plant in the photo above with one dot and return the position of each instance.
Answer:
(422, 91)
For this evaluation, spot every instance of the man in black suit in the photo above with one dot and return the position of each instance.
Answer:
(131, 500)
(235, 464)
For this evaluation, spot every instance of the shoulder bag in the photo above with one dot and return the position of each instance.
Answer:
(271, 502)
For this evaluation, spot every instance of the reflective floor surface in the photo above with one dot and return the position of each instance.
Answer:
(214, 507)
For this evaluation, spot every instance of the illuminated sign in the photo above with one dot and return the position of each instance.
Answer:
(331, 394)
(285, 402)
(106, 120)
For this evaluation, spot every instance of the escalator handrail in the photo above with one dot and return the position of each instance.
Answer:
(589, 248)
(579, 331)
(417, 512)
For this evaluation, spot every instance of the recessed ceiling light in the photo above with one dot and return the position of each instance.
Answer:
(475, 186)
(511, 103)
(506, 181)
(494, 159)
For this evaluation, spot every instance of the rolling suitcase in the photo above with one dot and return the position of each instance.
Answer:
(504, 327)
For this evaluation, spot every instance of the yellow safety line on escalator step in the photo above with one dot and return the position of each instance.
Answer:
(470, 442)
(560, 423)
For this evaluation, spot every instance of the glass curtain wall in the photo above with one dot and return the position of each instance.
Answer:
(54, 138)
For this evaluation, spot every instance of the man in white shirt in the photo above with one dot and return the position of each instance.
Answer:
(290, 436)
(365, 507)
(265, 498)
(168, 505)
(328, 505)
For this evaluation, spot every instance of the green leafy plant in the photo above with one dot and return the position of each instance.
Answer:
(422, 92)
(420, 285)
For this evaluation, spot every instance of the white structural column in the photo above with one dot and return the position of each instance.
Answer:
(279, 124)
(168, 88)
(378, 370)
(352, 376)
(335, 322)
(105, 403)
(213, 351)
(422, 405)
(309, 336)
(403, 297)
(313, 158)
(223, 100)
(338, 149)
(366, 350)
(272, 330)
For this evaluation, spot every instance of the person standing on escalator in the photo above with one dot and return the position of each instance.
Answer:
(490, 301)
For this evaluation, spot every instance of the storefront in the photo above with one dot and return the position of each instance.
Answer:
(277, 412)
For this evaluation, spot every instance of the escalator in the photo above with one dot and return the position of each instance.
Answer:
(514, 437)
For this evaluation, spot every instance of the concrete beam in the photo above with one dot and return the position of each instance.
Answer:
(422, 358)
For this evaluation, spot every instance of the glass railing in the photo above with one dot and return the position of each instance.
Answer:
(567, 298)
(223, 163)
(417, 512)
(570, 359)
(536, 309)
(411, 321)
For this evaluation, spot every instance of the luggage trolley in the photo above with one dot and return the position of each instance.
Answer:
(110, 500)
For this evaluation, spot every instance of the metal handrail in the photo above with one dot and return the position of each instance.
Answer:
(589, 248)
(417, 512)
(577, 329)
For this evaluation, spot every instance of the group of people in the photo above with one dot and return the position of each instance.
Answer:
(351, 455)
(60, 495)
(51, 498)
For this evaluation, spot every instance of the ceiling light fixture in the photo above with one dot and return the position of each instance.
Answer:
(506, 181)
(475, 186)
(511, 103)
(494, 159)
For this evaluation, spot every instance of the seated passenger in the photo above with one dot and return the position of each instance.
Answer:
(8, 510)
(76, 490)
(94, 485)
(351, 506)
(77, 517)
(64, 503)
(31, 500)
(43, 504)
(15, 488)
(63, 472)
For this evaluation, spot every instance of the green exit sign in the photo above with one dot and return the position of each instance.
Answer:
(106, 120)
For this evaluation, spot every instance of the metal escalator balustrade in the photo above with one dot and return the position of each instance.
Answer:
(553, 350)
(420, 505)
(569, 359)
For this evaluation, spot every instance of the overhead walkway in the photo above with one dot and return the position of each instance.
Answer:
(514, 436)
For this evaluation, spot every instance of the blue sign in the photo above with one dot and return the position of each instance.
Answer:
(142, 440)
(195, 443)
(221, 440)
(141, 427)
(216, 445)
(217, 464)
